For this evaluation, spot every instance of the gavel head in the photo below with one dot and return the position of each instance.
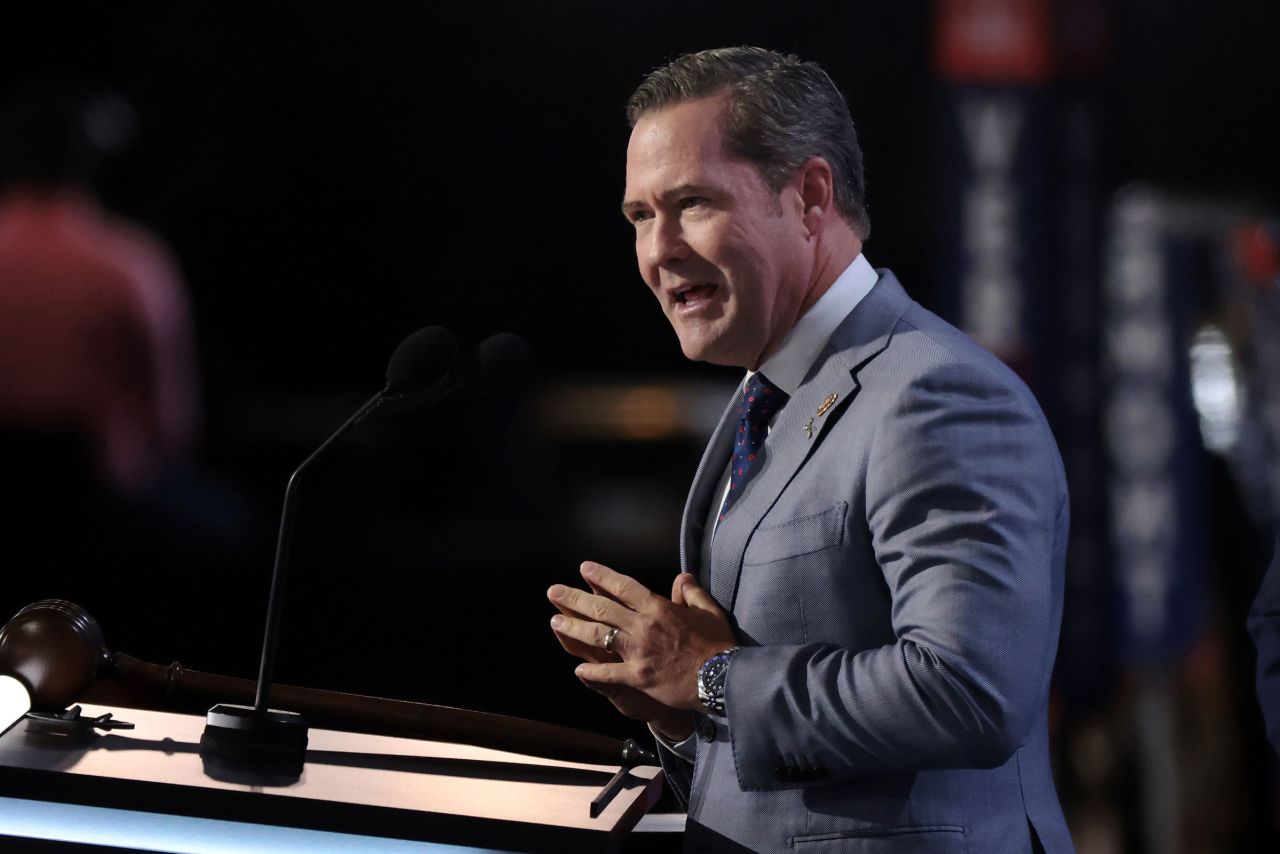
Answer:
(55, 649)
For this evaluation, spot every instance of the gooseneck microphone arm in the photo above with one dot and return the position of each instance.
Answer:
(279, 572)
(419, 375)
(233, 732)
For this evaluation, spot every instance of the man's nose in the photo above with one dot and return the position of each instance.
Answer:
(666, 242)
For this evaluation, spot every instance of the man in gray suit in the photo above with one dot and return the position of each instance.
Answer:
(857, 654)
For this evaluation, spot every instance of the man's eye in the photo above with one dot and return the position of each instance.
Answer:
(640, 216)
(691, 202)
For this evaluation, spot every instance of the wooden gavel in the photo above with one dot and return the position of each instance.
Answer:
(56, 649)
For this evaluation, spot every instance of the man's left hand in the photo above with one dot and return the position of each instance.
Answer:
(661, 642)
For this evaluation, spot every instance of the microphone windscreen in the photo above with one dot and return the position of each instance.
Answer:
(496, 366)
(420, 360)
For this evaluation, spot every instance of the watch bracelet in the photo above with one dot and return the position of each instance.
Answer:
(711, 680)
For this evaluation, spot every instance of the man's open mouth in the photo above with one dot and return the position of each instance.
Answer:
(693, 294)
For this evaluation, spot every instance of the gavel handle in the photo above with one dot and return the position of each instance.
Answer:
(163, 688)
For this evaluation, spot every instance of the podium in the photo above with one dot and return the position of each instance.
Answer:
(147, 789)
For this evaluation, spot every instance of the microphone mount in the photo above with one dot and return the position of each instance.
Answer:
(257, 733)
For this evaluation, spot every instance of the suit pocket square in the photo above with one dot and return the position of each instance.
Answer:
(802, 535)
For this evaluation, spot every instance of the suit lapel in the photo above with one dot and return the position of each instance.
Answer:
(823, 396)
(696, 507)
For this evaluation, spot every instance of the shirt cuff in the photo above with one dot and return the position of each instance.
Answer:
(686, 749)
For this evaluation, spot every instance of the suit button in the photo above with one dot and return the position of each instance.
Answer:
(707, 730)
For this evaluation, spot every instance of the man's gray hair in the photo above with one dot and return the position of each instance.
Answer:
(781, 112)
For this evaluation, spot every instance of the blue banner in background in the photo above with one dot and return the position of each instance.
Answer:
(1154, 480)
(994, 59)
(993, 217)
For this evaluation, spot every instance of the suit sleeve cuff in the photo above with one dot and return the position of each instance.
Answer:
(686, 749)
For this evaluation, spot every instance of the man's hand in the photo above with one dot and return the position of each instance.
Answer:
(659, 646)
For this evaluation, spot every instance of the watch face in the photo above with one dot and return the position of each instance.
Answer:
(711, 678)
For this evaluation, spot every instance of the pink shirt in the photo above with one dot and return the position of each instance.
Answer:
(95, 333)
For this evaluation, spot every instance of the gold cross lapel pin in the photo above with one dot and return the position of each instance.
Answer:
(822, 410)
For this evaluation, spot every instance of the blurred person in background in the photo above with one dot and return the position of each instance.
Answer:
(95, 336)
(103, 503)
(1264, 626)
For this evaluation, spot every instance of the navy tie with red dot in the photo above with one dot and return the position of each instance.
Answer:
(761, 400)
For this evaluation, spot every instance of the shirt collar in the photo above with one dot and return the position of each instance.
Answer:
(788, 365)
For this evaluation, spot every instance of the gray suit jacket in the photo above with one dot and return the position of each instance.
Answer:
(894, 569)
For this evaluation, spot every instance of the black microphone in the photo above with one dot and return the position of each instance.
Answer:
(418, 369)
(494, 366)
(421, 360)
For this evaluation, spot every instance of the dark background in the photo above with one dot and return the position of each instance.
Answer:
(333, 176)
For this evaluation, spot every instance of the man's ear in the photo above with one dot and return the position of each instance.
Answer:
(817, 194)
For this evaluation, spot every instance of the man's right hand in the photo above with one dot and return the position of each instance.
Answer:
(674, 725)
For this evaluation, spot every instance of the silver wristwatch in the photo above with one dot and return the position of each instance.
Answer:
(711, 676)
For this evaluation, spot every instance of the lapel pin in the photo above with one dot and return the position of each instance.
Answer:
(827, 404)
(808, 429)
